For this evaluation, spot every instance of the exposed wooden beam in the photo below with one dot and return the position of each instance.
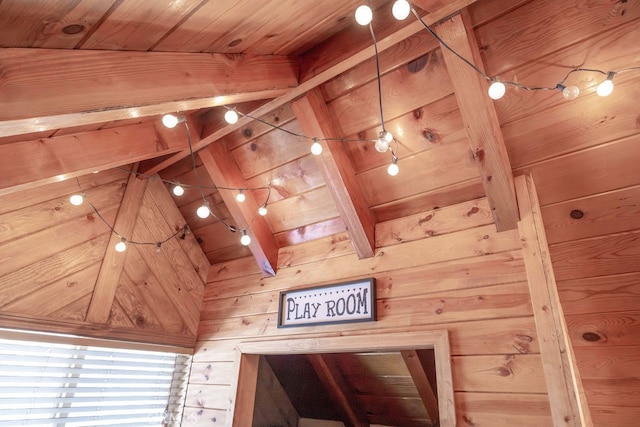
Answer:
(54, 88)
(481, 121)
(224, 172)
(315, 119)
(421, 380)
(321, 68)
(564, 385)
(429, 5)
(113, 261)
(337, 387)
(30, 164)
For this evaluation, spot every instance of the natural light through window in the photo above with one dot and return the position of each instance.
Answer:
(55, 384)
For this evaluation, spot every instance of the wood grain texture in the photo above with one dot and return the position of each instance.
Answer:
(337, 170)
(191, 81)
(563, 379)
(113, 261)
(483, 128)
(30, 164)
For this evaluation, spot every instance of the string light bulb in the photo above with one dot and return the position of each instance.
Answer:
(316, 148)
(76, 199)
(240, 197)
(262, 211)
(231, 117)
(497, 90)
(245, 240)
(393, 168)
(121, 246)
(364, 15)
(178, 190)
(158, 247)
(382, 143)
(606, 87)
(401, 9)
(568, 92)
(203, 211)
(170, 121)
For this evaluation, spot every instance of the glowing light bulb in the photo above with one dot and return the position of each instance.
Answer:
(316, 148)
(401, 9)
(393, 168)
(231, 116)
(388, 136)
(178, 190)
(121, 246)
(606, 87)
(240, 197)
(570, 92)
(364, 15)
(245, 240)
(203, 211)
(497, 90)
(170, 121)
(262, 211)
(158, 247)
(76, 199)
(382, 145)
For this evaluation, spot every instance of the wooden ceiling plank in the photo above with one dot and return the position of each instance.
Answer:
(320, 70)
(419, 375)
(315, 119)
(481, 121)
(30, 164)
(102, 86)
(337, 387)
(224, 172)
(113, 262)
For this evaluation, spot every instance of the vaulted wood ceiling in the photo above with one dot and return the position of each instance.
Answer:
(83, 85)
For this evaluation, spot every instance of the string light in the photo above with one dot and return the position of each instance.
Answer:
(382, 143)
(178, 190)
(401, 9)
(170, 121)
(76, 199)
(240, 197)
(497, 90)
(245, 240)
(393, 168)
(262, 211)
(364, 15)
(121, 246)
(231, 116)
(158, 247)
(203, 211)
(316, 147)
(568, 92)
(606, 87)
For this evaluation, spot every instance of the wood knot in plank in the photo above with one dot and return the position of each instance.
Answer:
(418, 113)
(479, 154)
(591, 336)
(247, 132)
(425, 219)
(430, 136)
(473, 210)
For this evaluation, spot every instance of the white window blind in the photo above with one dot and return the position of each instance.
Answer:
(53, 384)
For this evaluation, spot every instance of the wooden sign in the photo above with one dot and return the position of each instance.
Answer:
(339, 303)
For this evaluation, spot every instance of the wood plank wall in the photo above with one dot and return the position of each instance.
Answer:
(51, 254)
(463, 277)
(584, 156)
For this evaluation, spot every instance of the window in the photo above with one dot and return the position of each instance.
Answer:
(88, 384)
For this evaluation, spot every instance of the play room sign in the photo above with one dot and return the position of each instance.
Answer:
(343, 302)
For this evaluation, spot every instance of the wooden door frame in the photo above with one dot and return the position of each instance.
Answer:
(248, 355)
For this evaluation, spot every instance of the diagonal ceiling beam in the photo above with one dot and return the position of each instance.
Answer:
(421, 380)
(45, 89)
(321, 67)
(314, 118)
(338, 389)
(30, 164)
(224, 172)
(113, 261)
(481, 121)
